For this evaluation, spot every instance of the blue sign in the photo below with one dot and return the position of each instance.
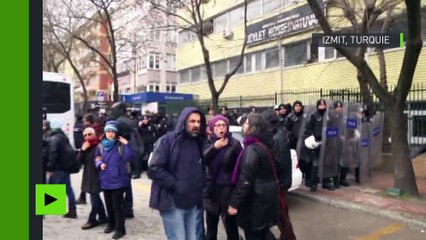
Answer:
(351, 123)
(364, 142)
(147, 97)
(376, 131)
(331, 132)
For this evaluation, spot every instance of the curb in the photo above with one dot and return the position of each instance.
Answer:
(410, 221)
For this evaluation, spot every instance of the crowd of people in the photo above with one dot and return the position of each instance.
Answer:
(200, 173)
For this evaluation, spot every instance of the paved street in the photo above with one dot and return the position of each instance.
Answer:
(311, 220)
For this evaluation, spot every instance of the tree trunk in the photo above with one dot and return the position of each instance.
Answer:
(215, 100)
(404, 178)
(363, 86)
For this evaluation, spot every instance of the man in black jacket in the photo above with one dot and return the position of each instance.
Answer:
(57, 141)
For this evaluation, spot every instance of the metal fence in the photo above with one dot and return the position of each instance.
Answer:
(415, 107)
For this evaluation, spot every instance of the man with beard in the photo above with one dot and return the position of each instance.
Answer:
(177, 171)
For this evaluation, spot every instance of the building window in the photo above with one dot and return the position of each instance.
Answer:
(220, 22)
(171, 36)
(295, 54)
(233, 62)
(195, 74)
(154, 35)
(270, 5)
(272, 58)
(143, 62)
(170, 87)
(249, 63)
(171, 62)
(186, 36)
(154, 61)
(220, 69)
(328, 52)
(259, 61)
(254, 9)
(236, 16)
(184, 76)
(153, 87)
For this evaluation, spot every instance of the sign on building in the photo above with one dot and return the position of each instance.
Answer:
(296, 20)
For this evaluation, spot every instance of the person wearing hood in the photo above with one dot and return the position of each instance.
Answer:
(312, 139)
(256, 194)
(55, 170)
(112, 157)
(284, 111)
(293, 122)
(90, 179)
(178, 176)
(220, 155)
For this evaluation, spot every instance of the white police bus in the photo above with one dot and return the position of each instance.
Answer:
(58, 101)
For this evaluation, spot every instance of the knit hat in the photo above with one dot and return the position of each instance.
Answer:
(111, 126)
(216, 119)
(55, 124)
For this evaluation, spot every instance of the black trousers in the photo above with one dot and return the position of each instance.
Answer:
(229, 222)
(263, 234)
(114, 205)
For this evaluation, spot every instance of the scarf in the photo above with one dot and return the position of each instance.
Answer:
(94, 141)
(249, 140)
(216, 166)
(108, 144)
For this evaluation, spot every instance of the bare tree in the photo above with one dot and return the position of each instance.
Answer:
(56, 27)
(394, 101)
(192, 16)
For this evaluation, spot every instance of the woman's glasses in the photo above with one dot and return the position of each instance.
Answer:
(220, 125)
(87, 134)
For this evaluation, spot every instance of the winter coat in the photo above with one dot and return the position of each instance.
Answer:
(292, 124)
(90, 181)
(78, 134)
(257, 192)
(281, 149)
(215, 195)
(116, 174)
(56, 142)
(314, 127)
(176, 167)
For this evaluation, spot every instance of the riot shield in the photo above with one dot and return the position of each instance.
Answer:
(364, 153)
(307, 111)
(350, 135)
(376, 138)
(328, 161)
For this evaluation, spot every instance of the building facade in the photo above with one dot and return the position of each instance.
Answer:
(279, 54)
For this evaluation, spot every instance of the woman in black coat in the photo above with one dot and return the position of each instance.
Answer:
(90, 182)
(220, 155)
(256, 194)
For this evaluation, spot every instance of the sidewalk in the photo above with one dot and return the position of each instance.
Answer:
(371, 198)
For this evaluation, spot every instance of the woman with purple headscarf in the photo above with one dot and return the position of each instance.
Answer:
(220, 155)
